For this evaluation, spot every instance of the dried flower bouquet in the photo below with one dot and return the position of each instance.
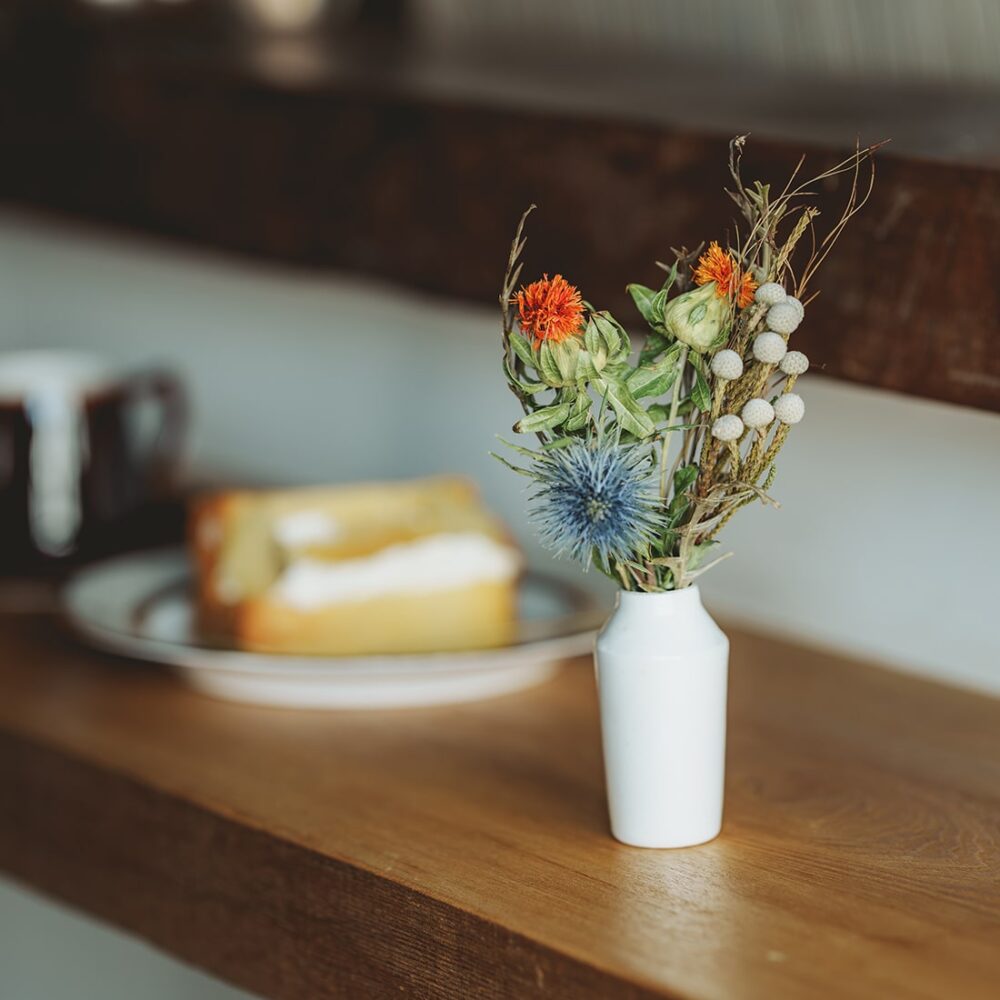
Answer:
(643, 457)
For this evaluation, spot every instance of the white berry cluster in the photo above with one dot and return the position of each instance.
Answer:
(784, 314)
(728, 427)
(727, 365)
(789, 408)
(769, 347)
(758, 414)
(794, 363)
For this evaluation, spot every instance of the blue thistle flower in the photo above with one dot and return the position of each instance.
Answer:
(596, 500)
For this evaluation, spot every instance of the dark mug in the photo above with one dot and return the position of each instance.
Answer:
(83, 449)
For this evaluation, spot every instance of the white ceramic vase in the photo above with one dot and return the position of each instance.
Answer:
(662, 671)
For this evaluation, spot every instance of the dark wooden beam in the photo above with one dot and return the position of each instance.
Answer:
(340, 174)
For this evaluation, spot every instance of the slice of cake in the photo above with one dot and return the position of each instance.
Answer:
(376, 568)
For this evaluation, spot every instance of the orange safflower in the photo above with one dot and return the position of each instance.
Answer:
(730, 281)
(747, 287)
(550, 309)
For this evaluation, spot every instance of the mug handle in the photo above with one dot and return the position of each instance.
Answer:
(166, 391)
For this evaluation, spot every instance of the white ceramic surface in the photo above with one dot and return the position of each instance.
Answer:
(139, 606)
(662, 671)
(52, 386)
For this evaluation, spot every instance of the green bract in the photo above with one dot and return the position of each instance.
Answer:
(698, 318)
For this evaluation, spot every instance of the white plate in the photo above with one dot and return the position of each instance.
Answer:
(140, 606)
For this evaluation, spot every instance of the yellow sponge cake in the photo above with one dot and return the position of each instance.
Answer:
(376, 568)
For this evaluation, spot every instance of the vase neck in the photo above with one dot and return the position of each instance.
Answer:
(666, 604)
(669, 622)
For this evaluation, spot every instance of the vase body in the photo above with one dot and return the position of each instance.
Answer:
(662, 671)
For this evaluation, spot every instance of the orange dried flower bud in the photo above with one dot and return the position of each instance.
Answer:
(731, 282)
(550, 309)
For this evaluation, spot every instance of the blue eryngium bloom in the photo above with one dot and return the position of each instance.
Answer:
(596, 500)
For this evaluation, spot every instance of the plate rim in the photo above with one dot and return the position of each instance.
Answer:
(249, 662)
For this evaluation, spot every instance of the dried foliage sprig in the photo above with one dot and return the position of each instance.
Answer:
(643, 457)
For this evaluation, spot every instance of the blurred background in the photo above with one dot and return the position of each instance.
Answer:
(301, 209)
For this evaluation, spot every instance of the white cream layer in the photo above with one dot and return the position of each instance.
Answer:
(437, 562)
(305, 527)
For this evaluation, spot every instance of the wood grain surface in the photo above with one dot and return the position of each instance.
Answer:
(464, 852)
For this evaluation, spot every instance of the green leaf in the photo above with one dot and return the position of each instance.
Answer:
(590, 366)
(580, 413)
(544, 419)
(566, 356)
(670, 279)
(654, 379)
(631, 416)
(657, 305)
(558, 443)
(656, 344)
(719, 341)
(617, 372)
(528, 388)
(527, 452)
(668, 540)
(698, 554)
(677, 509)
(644, 298)
(512, 466)
(547, 367)
(612, 332)
(701, 395)
(660, 413)
(522, 348)
(592, 339)
(685, 477)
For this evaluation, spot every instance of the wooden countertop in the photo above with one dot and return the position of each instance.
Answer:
(464, 852)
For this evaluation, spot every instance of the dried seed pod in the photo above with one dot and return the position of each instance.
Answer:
(728, 427)
(794, 363)
(769, 294)
(727, 365)
(783, 318)
(757, 413)
(789, 408)
(769, 347)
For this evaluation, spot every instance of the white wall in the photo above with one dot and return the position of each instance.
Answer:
(887, 544)
(885, 39)
(49, 953)
(922, 72)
